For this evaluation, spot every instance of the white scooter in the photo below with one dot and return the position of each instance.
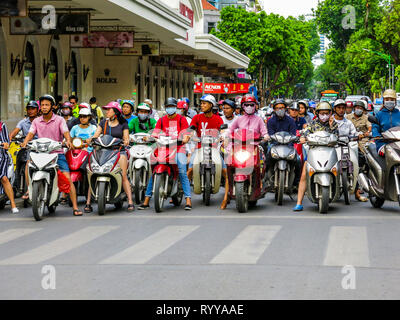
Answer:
(139, 169)
(43, 179)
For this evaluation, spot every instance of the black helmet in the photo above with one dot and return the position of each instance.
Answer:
(229, 103)
(170, 102)
(360, 103)
(32, 104)
(279, 101)
(48, 98)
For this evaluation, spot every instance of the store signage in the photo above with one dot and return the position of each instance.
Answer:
(222, 88)
(186, 11)
(140, 48)
(112, 29)
(109, 40)
(64, 24)
(13, 8)
(107, 79)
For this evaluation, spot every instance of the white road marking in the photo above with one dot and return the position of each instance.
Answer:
(148, 248)
(248, 246)
(13, 234)
(347, 246)
(59, 246)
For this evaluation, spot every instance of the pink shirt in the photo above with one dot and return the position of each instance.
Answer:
(53, 129)
(252, 122)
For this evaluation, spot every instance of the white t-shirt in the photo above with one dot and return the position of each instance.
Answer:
(228, 122)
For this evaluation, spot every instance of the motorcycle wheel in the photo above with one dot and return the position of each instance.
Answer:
(3, 204)
(52, 208)
(159, 192)
(281, 188)
(345, 186)
(118, 205)
(376, 201)
(207, 188)
(242, 201)
(101, 203)
(139, 190)
(177, 199)
(323, 202)
(38, 205)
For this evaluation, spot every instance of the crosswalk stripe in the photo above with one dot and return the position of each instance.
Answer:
(148, 248)
(347, 246)
(248, 246)
(59, 246)
(13, 234)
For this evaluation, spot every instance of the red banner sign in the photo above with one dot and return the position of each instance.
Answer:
(222, 88)
(186, 11)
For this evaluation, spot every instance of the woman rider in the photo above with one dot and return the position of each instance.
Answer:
(143, 122)
(115, 125)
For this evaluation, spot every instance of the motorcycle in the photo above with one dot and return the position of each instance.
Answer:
(246, 172)
(381, 179)
(105, 174)
(207, 165)
(43, 179)
(21, 155)
(322, 170)
(166, 181)
(347, 152)
(139, 169)
(76, 160)
(284, 157)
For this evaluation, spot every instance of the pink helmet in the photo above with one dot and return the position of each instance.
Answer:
(113, 105)
(221, 102)
(183, 105)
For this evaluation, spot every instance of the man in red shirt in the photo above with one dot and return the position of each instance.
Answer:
(202, 122)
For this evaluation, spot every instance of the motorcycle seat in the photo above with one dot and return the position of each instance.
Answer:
(376, 156)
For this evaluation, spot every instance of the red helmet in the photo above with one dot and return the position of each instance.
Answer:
(249, 98)
(349, 103)
(183, 105)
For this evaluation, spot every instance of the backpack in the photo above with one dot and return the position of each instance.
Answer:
(94, 113)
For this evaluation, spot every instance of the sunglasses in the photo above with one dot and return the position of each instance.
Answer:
(249, 104)
(83, 116)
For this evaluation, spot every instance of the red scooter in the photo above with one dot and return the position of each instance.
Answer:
(166, 181)
(76, 159)
(246, 172)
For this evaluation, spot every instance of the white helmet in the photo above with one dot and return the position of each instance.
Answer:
(85, 112)
(209, 98)
(339, 102)
(143, 106)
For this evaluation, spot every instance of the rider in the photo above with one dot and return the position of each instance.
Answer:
(153, 113)
(281, 121)
(76, 121)
(388, 117)
(323, 122)
(300, 122)
(116, 126)
(128, 108)
(345, 126)
(66, 113)
(229, 116)
(349, 108)
(182, 109)
(143, 122)
(73, 100)
(32, 111)
(303, 106)
(55, 128)
(97, 113)
(173, 125)
(191, 113)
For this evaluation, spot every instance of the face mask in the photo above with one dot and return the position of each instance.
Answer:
(66, 112)
(390, 105)
(249, 109)
(358, 112)
(324, 117)
(280, 113)
(170, 110)
(143, 117)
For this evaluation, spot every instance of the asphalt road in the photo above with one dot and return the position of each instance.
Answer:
(268, 253)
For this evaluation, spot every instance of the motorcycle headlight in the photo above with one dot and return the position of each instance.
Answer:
(107, 167)
(96, 168)
(292, 156)
(274, 154)
(207, 150)
(242, 155)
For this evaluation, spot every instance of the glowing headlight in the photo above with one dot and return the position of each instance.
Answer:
(274, 154)
(77, 143)
(242, 155)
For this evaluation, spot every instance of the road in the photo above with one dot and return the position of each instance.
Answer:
(268, 253)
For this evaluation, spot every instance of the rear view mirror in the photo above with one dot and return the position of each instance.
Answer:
(223, 126)
(373, 119)
(192, 127)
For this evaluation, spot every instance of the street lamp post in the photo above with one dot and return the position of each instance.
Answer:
(391, 66)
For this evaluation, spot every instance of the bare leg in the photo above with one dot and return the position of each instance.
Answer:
(72, 193)
(302, 185)
(226, 195)
(8, 190)
(123, 162)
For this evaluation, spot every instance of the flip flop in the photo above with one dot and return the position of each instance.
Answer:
(25, 196)
(76, 213)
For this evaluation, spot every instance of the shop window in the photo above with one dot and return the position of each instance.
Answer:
(29, 74)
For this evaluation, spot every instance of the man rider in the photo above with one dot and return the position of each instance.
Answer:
(153, 113)
(73, 100)
(280, 121)
(228, 107)
(388, 117)
(143, 123)
(323, 122)
(128, 107)
(349, 108)
(300, 122)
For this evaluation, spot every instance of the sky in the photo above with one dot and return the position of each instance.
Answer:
(289, 7)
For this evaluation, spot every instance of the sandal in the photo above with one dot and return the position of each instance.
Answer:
(188, 207)
(25, 196)
(131, 207)
(143, 207)
(88, 208)
(64, 201)
(77, 213)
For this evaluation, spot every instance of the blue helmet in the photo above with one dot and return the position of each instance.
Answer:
(186, 100)
(130, 102)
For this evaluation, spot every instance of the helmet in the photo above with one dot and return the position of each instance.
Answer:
(311, 104)
(339, 102)
(114, 105)
(279, 101)
(130, 102)
(209, 98)
(390, 93)
(48, 98)
(229, 103)
(186, 99)
(183, 105)
(323, 105)
(170, 102)
(294, 106)
(67, 105)
(148, 101)
(33, 104)
(288, 102)
(303, 102)
(248, 98)
(360, 103)
(349, 104)
(84, 105)
(85, 112)
(220, 102)
(269, 112)
(144, 106)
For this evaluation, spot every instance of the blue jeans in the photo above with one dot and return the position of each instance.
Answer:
(181, 161)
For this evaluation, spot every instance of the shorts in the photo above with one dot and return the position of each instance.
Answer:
(62, 163)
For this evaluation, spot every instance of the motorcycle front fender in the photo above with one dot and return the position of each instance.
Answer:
(282, 165)
(161, 168)
(41, 175)
(240, 178)
(323, 179)
(140, 163)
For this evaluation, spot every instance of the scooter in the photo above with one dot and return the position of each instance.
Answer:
(105, 174)
(76, 160)
(139, 169)
(382, 180)
(20, 185)
(43, 178)
(284, 157)
(166, 181)
(207, 166)
(246, 173)
(322, 170)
